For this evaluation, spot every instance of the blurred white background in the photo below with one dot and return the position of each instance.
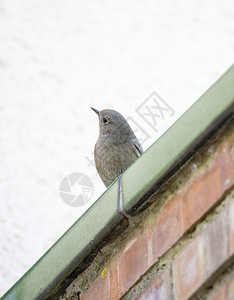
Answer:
(58, 58)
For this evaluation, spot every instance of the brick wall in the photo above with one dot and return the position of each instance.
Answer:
(180, 247)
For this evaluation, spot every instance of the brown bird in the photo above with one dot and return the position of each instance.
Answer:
(117, 146)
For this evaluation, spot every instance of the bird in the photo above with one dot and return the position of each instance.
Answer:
(117, 146)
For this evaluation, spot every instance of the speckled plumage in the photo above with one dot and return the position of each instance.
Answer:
(117, 146)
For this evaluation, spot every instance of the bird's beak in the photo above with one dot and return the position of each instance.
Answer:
(96, 111)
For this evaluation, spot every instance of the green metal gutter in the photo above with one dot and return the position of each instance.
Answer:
(69, 250)
(212, 109)
(179, 140)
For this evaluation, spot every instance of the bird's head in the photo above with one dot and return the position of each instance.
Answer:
(113, 125)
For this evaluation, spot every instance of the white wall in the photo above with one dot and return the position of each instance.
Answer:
(58, 58)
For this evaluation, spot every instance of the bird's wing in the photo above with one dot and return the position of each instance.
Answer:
(138, 147)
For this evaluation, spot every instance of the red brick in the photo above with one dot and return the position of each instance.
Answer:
(159, 289)
(232, 156)
(231, 289)
(133, 262)
(224, 161)
(188, 269)
(225, 292)
(220, 295)
(215, 237)
(151, 259)
(167, 229)
(100, 289)
(201, 195)
(231, 227)
(202, 257)
(116, 286)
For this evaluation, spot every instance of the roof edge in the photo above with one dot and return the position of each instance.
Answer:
(136, 185)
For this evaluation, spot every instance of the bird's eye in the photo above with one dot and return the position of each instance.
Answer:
(104, 121)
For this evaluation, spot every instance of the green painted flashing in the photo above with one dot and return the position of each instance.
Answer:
(178, 139)
(71, 249)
